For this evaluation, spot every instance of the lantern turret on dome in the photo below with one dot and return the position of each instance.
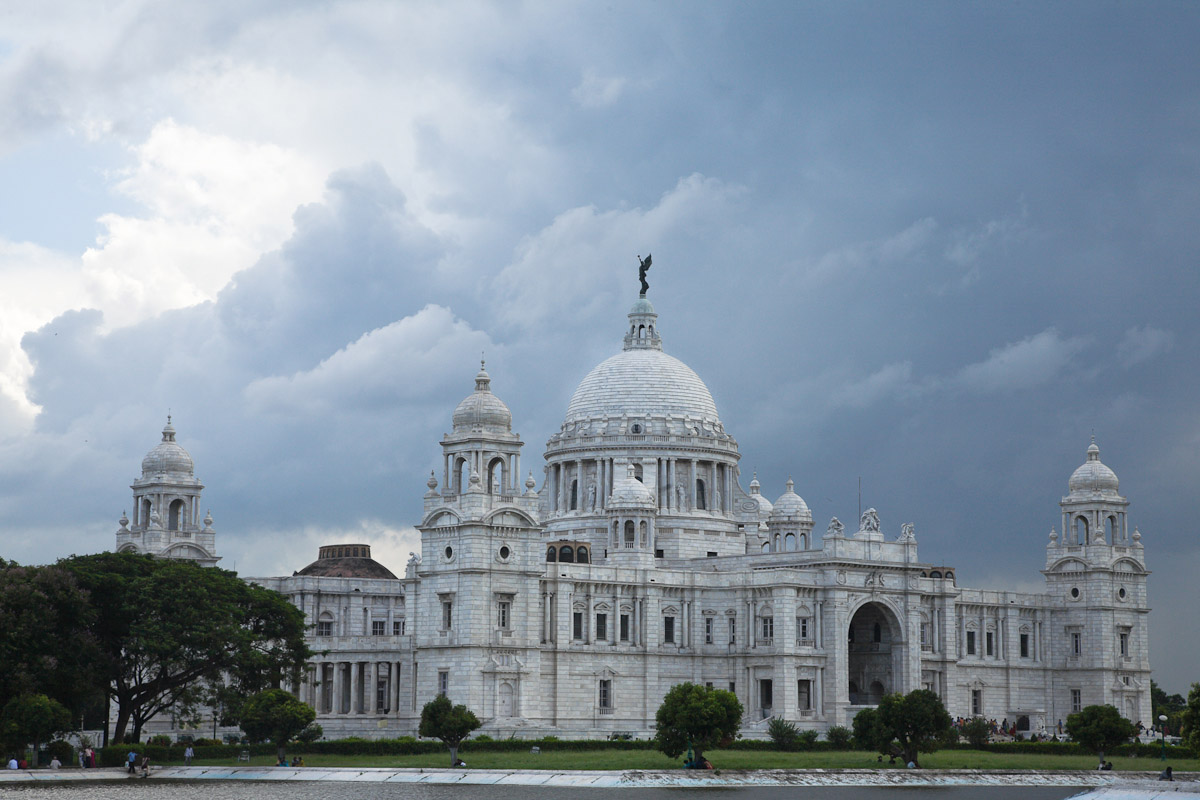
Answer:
(1093, 512)
(481, 454)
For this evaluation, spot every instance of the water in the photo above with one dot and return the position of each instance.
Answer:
(332, 790)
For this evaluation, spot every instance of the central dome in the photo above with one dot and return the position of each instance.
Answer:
(641, 383)
(642, 380)
(167, 457)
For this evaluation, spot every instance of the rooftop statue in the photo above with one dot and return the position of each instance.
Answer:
(645, 265)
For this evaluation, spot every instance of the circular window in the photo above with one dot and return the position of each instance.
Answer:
(636, 428)
(505, 552)
(1121, 593)
(1074, 593)
(449, 552)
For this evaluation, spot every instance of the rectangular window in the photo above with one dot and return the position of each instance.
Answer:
(1076, 701)
(624, 627)
(443, 682)
(924, 634)
(398, 627)
(768, 628)
(990, 643)
(711, 554)
(1024, 645)
(804, 694)
(379, 627)
(976, 702)
(733, 687)
(577, 625)
(1076, 643)
(732, 630)
(765, 694)
(669, 629)
(606, 694)
(447, 614)
(802, 628)
(502, 614)
(325, 628)
(970, 643)
(708, 684)
(708, 630)
(601, 627)
(1124, 644)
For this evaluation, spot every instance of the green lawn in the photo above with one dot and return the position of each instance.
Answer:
(722, 759)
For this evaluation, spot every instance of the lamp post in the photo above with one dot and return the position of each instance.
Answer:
(1162, 724)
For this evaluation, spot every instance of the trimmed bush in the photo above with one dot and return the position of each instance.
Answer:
(839, 737)
(783, 733)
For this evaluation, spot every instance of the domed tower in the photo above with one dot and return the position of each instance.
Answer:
(166, 508)
(631, 511)
(1096, 572)
(790, 522)
(648, 410)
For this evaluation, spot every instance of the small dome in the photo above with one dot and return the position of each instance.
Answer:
(167, 457)
(642, 306)
(1093, 475)
(346, 561)
(482, 409)
(791, 504)
(764, 505)
(629, 492)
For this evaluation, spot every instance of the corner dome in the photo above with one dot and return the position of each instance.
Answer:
(791, 505)
(346, 561)
(629, 492)
(167, 457)
(481, 409)
(764, 505)
(1093, 475)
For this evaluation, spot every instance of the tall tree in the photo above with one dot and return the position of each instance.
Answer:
(696, 716)
(276, 716)
(1099, 728)
(46, 645)
(32, 718)
(167, 628)
(1190, 718)
(440, 719)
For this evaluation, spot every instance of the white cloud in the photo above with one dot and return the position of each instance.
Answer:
(887, 381)
(843, 262)
(594, 91)
(1142, 344)
(385, 367)
(1021, 365)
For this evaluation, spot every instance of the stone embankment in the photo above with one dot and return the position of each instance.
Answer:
(1098, 785)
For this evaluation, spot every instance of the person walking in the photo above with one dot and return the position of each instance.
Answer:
(132, 761)
(188, 753)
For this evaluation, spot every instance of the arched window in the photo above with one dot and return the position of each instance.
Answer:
(1111, 529)
(950, 575)
(637, 468)
(1081, 530)
(641, 331)
(616, 539)
(551, 555)
(935, 574)
(574, 495)
(804, 541)
(701, 504)
(766, 547)
(789, 543)
(174, 515)
(630, 534)
(496, 478)
(146, 508)
(462, 475)
(642, 527)
(775, 548)
(566, 554)
(581, 555)
(877, 633)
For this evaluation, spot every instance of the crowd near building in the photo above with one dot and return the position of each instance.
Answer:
(572, 607)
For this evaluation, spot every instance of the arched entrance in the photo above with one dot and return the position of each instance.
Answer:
(874, 647)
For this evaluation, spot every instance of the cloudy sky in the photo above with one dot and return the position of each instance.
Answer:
(935, 246)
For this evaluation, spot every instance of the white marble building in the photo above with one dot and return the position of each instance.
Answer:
(641, 562)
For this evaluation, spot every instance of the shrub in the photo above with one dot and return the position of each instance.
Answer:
(977, 731)
(783, 733)
(839, 737)
(159, 740)
(311, 733)
(62, 749)
(807, 740)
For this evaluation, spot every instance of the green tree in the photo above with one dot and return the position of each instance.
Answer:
(166, 628)
(904, 725)
(1099, 728)
(450, 723)
(696, 716)
(1172, 705)
(783, 733)
(46, 646)
(276, 716)
(1190, 719)
(32, 718)
(977, 731)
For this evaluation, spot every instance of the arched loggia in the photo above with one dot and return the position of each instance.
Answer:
(875, 648)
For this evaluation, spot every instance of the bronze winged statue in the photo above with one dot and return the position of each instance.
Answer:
(645, 265)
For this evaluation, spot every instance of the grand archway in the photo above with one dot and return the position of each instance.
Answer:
(873, 646)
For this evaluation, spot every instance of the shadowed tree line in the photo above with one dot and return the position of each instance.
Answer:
(142, 634)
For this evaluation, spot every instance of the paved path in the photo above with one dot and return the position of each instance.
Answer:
(1106, 785)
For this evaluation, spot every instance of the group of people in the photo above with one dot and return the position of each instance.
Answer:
(134, 767)
(87, 758)
(297, 761)
(15, 763)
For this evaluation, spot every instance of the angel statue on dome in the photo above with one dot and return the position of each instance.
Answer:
(644, 265)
